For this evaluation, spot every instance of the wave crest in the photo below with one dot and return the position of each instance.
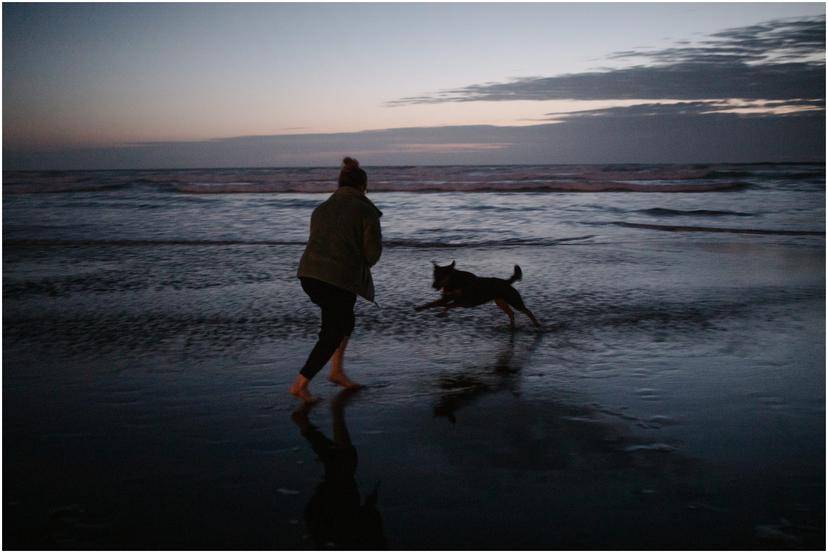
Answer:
(666, 212)
(465, 186)
(677, 228)
(391, 243)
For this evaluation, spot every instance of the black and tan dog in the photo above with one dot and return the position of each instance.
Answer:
(465, 289)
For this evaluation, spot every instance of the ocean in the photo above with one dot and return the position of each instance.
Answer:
(152, 322)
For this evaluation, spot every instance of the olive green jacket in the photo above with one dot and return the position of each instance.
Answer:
(345, 242)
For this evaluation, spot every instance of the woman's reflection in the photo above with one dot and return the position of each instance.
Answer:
(335, 515)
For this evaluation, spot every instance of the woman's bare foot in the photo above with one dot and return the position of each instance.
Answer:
(300, 390)
(341, 380)
(304, 394)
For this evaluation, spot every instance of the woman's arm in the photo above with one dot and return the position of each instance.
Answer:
(372, 240)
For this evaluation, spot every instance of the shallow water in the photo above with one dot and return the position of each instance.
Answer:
(675, 401)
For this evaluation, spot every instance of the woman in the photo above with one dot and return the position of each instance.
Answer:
(345, 242)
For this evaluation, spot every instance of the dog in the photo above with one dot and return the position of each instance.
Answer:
(465, 289)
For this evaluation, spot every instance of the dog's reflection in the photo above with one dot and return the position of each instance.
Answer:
(504, 375)
(335, 515)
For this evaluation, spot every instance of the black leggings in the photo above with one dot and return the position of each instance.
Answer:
(337, 321)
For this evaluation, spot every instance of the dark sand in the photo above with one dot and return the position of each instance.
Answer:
(646, 418)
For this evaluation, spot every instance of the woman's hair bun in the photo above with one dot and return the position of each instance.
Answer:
(352, 175)
(349, 164)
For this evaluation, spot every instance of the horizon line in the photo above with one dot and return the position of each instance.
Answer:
(225, 168)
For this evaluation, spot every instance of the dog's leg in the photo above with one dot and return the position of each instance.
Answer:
(445, 311)
(529, 314)
(514, 299)
(435, 303)
(501, 303)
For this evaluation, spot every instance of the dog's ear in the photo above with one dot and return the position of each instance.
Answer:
(452, 264)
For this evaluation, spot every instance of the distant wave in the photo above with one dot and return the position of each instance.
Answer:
(475, 186)
(425, 244)
(36, 243)
(676, 228)
(60, 187)
(508, 242)
(253, 188)
(665, 212)
(785, 175)
(722, 174)
(804, 175)
(449, 178)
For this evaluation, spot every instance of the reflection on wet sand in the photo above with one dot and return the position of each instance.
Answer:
(564, 444)
(335, 515)
(543, 434)
(579, 455)
(464, 388)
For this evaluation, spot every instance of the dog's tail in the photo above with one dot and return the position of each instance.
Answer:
(518, 274)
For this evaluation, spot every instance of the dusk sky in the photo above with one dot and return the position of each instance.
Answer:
(88, 86)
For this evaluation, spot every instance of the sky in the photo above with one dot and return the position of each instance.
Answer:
(120, 86)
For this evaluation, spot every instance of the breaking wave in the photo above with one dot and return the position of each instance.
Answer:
(535, 178)
(665, 212)
(388, 243)
(466, 186)
(678, 228)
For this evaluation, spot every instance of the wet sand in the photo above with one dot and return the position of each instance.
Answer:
(652, 414)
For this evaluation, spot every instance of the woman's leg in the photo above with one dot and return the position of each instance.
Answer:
(338, 359)
(338, 375)
(331, 335)
(337, 323)
(299, 388)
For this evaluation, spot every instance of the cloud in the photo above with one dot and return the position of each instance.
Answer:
(783, 40)
(685, 132)
(452, 147)
(755, 109)
(750, 94)
(777, 60)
